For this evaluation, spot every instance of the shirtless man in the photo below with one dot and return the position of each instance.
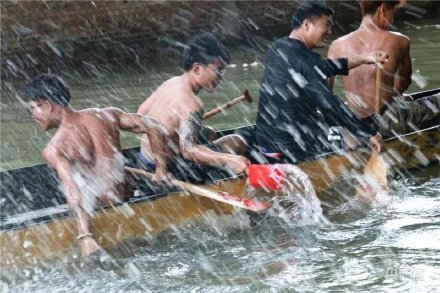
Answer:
(396, 116)
(86, 150)
(175, 104)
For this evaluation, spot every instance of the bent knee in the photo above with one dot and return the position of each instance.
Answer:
(240, 142)
(234, 144)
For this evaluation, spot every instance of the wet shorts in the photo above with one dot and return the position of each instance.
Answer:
(185, 169)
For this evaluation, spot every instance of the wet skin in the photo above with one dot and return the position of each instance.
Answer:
(175, 104)
(373, 35)
(86, 153)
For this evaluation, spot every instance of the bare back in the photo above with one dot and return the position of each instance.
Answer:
(171, 103)
(89, 141)
(360, 83)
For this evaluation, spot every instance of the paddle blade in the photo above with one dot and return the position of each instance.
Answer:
(377, 169)
(247, 203)
(376, 183)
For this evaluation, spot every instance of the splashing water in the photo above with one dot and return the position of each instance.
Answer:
(296, 202)
(392, 249)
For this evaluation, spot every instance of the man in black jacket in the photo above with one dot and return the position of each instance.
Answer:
(294, 87)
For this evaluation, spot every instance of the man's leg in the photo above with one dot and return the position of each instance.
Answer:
(233, 144)
(404, 117)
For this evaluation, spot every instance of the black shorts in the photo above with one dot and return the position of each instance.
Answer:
(187, 170)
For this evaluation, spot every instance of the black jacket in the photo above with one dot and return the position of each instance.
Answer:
(293, 88)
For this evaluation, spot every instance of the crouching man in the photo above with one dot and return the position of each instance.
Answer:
(86, 150)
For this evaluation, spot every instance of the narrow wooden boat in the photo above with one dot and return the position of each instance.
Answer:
(36, 224)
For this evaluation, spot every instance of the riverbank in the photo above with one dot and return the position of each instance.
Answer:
(98, 37)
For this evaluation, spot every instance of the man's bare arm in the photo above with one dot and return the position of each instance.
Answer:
(61, 159)
(368, 58)
(156, 133)
(137, 123)
(62, 166)
(57, 159)
(189, 147)
(404, 71)
(202, 155)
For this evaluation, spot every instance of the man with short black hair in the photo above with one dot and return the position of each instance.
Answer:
(176, 105)
(85, 151)
(396, 116)
(294, 87)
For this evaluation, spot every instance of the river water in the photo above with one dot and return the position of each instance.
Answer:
(391, 247)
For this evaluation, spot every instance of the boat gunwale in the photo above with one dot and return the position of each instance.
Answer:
(46, 218)
(366, 148)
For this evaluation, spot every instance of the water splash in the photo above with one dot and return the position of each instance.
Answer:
(296, 203)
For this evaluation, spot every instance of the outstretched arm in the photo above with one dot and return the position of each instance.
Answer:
(156, 133)
(202, 155)
(62, 166)
(59, 159)
(368, 58)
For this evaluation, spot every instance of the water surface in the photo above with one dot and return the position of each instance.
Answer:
(393, 248)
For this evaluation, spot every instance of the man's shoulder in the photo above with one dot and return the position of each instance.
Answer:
(341, 41)
(69, 132)
(286, 50)
(90, 112)
(173, 79)
(57, 144)
(282, 43)
(350, 38)
(94, 111)
(50, 154)
(110, 112)
(167, 88)
(396, 40)
(279, 41)
(108, 115)
(169, 85)
(399, 37)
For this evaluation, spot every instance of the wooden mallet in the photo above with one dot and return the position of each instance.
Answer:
(245, 97)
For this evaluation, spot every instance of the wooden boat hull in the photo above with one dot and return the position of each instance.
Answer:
(36, 225)
(416, 150)
(56, 238)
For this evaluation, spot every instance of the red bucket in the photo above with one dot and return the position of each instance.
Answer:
(267, 176)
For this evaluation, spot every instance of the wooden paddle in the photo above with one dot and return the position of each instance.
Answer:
(245, 97)
(238, 201)
(378, 99)
(376, 168)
